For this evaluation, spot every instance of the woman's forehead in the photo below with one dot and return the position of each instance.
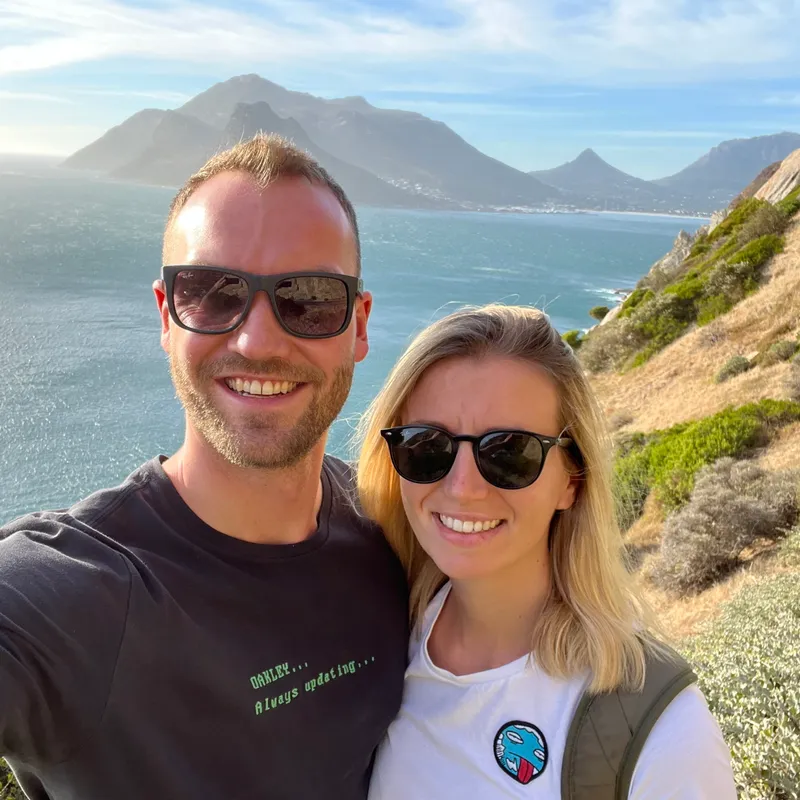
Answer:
(471, 395)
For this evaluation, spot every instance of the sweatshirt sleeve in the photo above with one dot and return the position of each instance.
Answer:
(63, 603)
(685, 756)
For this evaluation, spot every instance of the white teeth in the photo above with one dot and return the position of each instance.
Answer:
(259, 388)
(468, 525)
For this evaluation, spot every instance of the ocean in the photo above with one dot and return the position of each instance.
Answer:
(86, 395)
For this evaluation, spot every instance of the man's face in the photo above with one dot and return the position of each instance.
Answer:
(290, 226)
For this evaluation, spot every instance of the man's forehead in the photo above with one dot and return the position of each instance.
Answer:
(231, 209)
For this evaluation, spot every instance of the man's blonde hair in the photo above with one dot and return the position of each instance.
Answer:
(265, 158)
(593, 619)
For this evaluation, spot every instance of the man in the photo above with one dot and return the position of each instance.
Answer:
(223, 624)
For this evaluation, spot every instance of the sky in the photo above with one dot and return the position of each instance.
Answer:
(650, 85)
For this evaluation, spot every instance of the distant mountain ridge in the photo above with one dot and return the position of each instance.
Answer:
(401, 158)
(726, 169)
(592, 180)
(381, 157)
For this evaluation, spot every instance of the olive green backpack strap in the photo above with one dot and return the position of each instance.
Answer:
(608, 731)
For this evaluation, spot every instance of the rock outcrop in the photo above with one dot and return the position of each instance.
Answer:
(669, 263)
(784, 181)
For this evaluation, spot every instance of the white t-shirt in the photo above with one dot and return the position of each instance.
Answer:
(501, 734)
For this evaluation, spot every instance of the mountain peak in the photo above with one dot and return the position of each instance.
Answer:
(587, 157)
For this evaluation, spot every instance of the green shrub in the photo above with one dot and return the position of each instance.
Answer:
(598, 312)
(8, 786)
(735, 365)
(759, 251)
(733, 505)
(631, 484)
(737, 217)
(748, 664)
(767, 219)
(789, 551)
(790, 204)
(784, 349)
(667, 461)
(712, 307)
(573, 338)
(636, 298)
(700, 246)
(608, 346)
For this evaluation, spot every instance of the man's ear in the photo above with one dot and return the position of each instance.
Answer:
(159, 290)
(361, 312)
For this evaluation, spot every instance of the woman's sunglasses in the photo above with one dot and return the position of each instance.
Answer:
(506, 459)
(311, 305)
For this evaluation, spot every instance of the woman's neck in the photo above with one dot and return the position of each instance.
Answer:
(489, 621)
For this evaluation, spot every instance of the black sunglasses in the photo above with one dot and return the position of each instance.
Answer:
(311, 305)
(506, 459)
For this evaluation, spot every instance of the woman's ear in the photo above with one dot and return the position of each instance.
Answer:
(569, 493)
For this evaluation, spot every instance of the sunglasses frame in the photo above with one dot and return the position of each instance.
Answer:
(547, 443)
(260, 283)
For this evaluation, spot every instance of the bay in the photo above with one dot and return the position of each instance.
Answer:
(85, 394)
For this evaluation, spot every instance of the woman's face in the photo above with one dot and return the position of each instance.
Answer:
(473, 396)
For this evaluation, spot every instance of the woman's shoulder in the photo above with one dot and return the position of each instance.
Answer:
(685, 751)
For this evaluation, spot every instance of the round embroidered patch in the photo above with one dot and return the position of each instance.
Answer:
(521, 751)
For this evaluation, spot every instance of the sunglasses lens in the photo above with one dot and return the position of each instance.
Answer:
(312, 306)
(209, 300)
(421, 455)
(510, 460)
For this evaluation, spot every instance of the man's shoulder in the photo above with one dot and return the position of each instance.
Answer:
(68, 549)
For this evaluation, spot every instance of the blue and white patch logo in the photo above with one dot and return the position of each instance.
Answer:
(521, 751)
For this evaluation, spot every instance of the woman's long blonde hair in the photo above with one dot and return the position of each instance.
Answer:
(593, 618)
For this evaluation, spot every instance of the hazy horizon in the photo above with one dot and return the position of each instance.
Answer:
(650, 86)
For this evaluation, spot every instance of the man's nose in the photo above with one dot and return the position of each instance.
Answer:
(261, 336)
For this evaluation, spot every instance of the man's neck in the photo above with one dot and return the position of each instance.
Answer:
(255, 505)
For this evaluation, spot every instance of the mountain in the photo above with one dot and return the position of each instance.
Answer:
(422, 161)
(402, 147)
(120, 144)
(589, 180)
(179, 145)
(717, 177)
(248, 119)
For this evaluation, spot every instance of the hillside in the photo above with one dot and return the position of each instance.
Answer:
(707, 468)
(720, 174)
(591, 181)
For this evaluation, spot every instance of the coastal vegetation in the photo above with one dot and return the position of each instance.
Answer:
(748, 666)
(725, 264)
(698, 371)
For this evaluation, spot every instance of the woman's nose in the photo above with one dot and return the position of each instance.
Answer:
(464, 482)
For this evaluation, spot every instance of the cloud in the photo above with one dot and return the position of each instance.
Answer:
(166, 96)
(789, 99)
(606, 41)
(37, 97)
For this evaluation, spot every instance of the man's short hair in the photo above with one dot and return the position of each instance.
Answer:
(265, 158)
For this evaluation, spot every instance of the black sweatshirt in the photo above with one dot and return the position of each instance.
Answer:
(145, 655)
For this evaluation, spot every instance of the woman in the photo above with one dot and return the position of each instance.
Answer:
(485, 461)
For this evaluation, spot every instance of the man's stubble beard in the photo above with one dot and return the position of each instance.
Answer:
(258, 441)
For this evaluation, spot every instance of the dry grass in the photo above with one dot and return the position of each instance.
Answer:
(784, 452)
(678, 385)
(686, 616)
